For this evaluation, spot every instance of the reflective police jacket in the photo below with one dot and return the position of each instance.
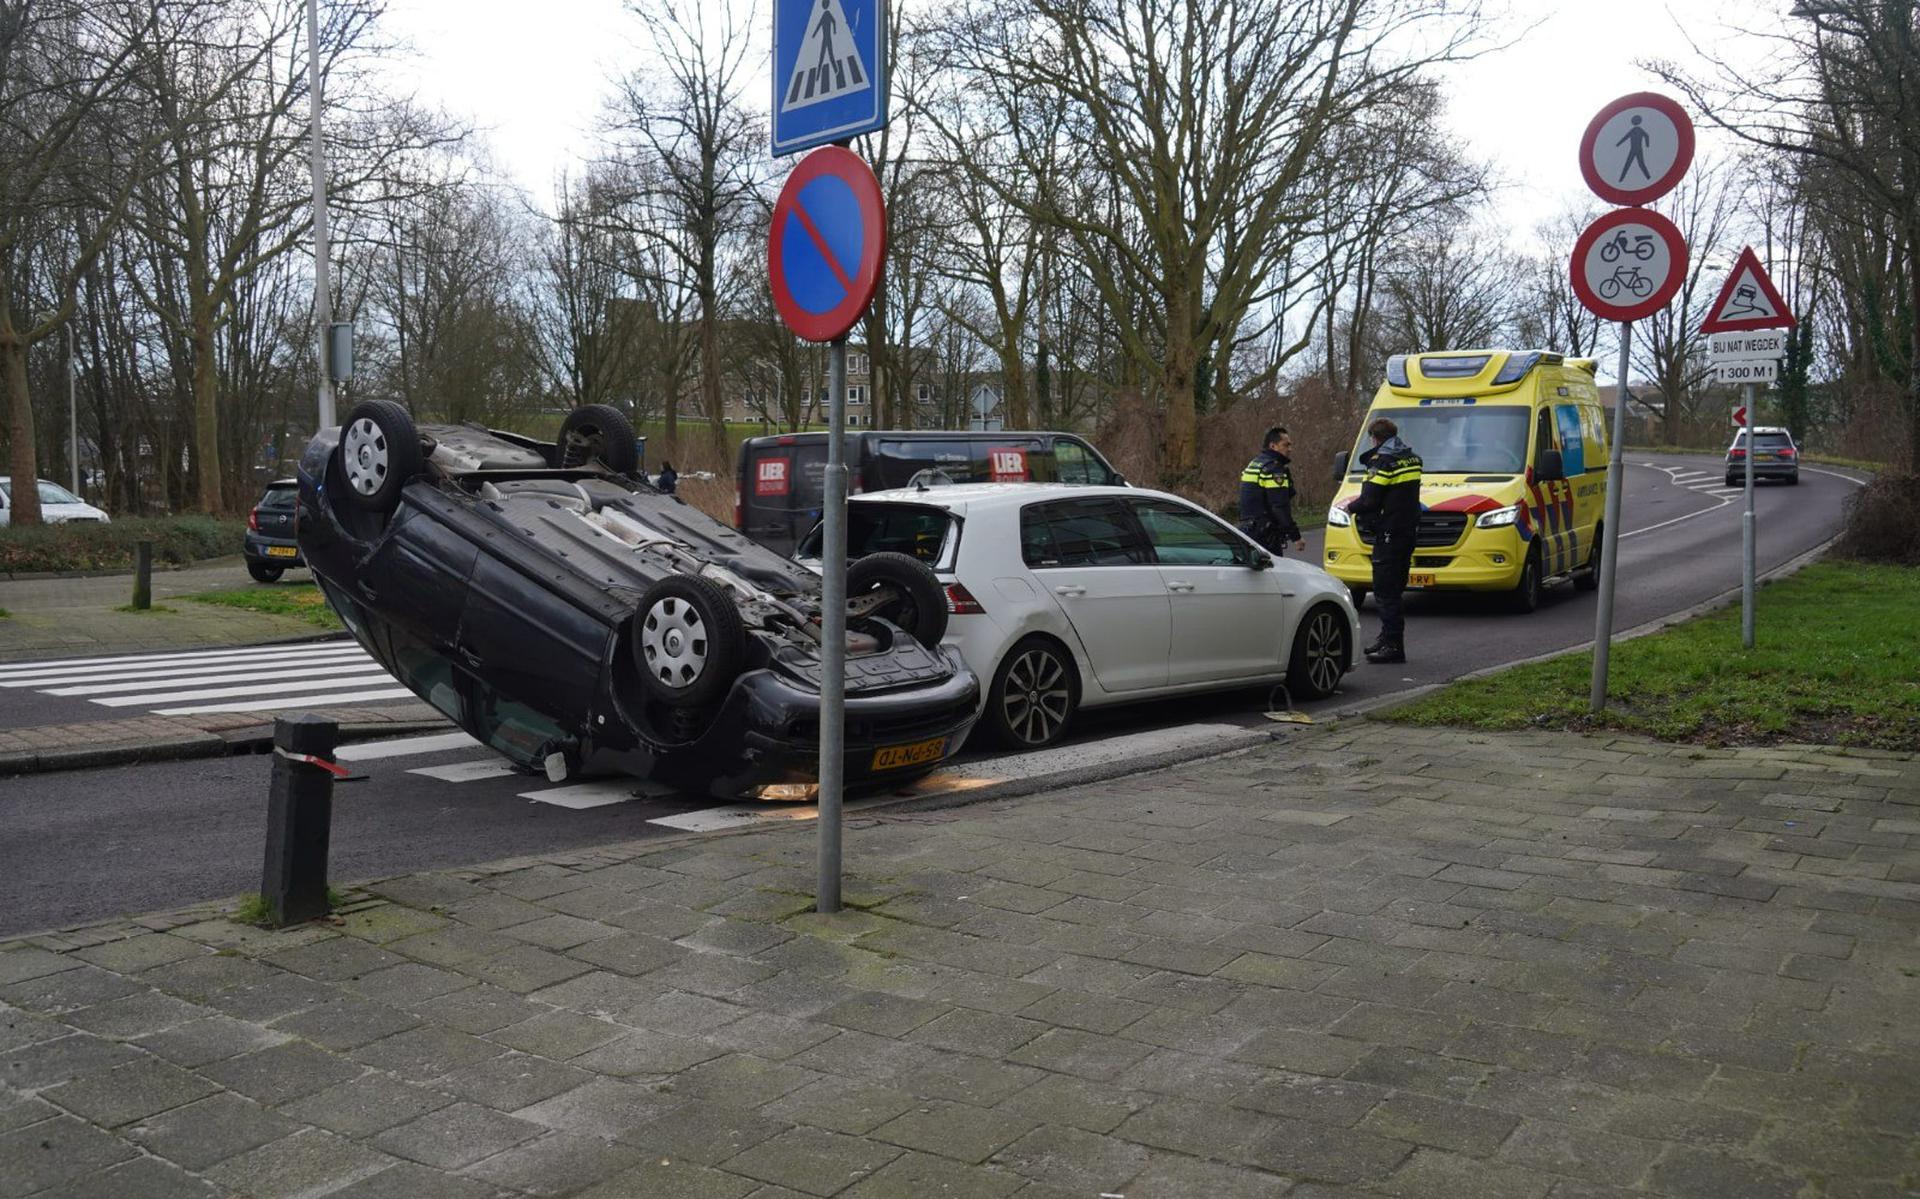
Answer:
(1389, 499)
(1266, 496)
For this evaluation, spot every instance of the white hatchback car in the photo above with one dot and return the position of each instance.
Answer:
(1064, 597)
(57, 504)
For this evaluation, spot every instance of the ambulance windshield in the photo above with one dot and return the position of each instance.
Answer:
(1459, 437)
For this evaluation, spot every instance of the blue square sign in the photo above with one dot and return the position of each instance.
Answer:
(829, 71)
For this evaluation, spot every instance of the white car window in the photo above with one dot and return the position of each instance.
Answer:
(53, 493)
(1182, 537)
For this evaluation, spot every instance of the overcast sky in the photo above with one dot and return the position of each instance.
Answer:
(534, 76)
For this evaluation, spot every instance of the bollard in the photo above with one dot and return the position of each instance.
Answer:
(142, 575)
(299, 819)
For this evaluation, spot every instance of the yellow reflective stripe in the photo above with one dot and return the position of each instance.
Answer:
(1387, 478)
(1270, 483)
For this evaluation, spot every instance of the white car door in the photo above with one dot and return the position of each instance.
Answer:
(1090, 556)
(1229, 619)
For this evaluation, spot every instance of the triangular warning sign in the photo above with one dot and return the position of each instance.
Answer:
(828, 66)
(1748, 300)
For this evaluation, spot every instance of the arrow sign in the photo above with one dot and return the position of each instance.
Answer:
(828, 241)
(1747, 300)
(1740, 416)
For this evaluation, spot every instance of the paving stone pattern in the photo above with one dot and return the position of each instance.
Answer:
(1360, 961)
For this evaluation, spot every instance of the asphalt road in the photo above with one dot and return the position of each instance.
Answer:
(89, 845)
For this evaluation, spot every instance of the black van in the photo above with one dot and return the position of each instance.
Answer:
(781, 479)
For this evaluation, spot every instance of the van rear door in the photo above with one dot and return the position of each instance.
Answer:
(781, 486)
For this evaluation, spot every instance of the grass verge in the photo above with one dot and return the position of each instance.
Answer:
(1834, 663)
(88, 545)
(302, 601)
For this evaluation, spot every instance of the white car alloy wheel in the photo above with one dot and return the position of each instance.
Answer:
(1324, 650)
(1036, 699)
(675, 642)
(364, 455)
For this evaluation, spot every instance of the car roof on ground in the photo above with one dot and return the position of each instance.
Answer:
(961, 497)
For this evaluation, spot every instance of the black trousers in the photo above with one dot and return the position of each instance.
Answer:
(1392, 557)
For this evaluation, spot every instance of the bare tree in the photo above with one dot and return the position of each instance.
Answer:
(1668, 345)
(1554, 318)
(1446, 289)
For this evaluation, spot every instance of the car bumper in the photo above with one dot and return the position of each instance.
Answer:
(1484, 560)
(1763, 470)
(272, 551)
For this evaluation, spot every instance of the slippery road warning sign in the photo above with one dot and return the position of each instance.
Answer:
(829, 71)
(1747, 300)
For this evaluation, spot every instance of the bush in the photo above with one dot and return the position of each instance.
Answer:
(177, 540)
(1883, 521)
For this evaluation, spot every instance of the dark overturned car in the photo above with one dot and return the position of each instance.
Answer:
(574, 619)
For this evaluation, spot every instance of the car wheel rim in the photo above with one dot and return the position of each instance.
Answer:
(674, 640)
(1326, 646)
(365, 454)
(583, 446)
(1036, 699)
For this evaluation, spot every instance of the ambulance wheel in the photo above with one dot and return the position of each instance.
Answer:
(1526, 596)
(1589, 579)
(1359, 597)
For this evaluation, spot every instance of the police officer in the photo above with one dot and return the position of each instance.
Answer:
(1266, 495)
(1387, 511)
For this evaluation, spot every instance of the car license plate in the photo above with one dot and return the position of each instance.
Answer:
(282, 551)
(894, 757)
(1419, 580)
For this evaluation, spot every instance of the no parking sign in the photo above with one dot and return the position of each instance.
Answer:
(827, 244)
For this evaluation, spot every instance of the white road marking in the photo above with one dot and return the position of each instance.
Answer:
(195, 656)
(97, 674)
(287, 675)
(299, 703)
(401, 747)
(467, 772)
(709, 820)
(286, 689)
(581, 796)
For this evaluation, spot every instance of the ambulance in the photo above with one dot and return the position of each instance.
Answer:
(1513, 490)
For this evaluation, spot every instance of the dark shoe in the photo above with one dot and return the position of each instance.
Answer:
(1386, 655)
(1378, 644)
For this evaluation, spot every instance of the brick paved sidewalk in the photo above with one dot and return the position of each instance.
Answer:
(1471, 966)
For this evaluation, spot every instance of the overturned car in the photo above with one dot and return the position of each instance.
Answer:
(574, 619)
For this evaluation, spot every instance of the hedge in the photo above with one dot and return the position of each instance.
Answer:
(89, 545)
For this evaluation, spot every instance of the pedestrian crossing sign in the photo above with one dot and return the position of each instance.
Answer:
(829, 71)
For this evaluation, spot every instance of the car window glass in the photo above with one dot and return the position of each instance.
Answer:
(1772, 440)
(53, 493)
(1458, 436)
(1543, 433)
(1079, 533)
(916, 530)
(278, 499)
(1572, 444)
(989, 458)
(1072, 463)
(1181, 536)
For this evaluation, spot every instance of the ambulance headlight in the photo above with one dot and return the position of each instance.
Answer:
(1339, 517)
(1499, 517)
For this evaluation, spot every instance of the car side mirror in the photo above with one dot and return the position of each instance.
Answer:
(1262, 560)
(1340, 463)
(1549, 468)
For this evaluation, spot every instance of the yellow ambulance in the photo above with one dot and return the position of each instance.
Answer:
(1513, 488)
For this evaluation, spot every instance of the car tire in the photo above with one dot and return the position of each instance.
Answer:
(1035, 667)
(1321, 653)
(688, 642)
(596, 433)
(1588, 579)
(1732, 482)
(379, 454)
(921, 610)
(1359, 595)
(1793, 480)
(1526, 596)
(262, 573)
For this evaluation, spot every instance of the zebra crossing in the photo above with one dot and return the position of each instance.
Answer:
(1706, 482)
(266, 678)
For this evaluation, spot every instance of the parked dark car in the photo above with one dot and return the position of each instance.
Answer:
(270, 548)
(575, 619)
(781, 479)
(1774, 456)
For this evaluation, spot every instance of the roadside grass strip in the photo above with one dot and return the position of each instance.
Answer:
(302, 601)
(1836, 662)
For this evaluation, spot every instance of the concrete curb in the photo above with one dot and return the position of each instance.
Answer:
(252, 739)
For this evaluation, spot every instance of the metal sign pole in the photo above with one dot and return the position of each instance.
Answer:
(322, 285)
(1746, 532)
(833, 633)
(73, 415)
(1609, 551)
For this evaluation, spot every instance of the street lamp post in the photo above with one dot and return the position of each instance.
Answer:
(322, 284)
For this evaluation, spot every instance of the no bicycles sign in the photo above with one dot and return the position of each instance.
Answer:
(1628, 264)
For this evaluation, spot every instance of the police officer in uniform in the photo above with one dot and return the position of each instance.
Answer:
(1387, 511)
(1266, 495)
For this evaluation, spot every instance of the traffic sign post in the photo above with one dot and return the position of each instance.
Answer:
(829, 71)
(1627, 265)
(824, 255)
(1744, 344)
